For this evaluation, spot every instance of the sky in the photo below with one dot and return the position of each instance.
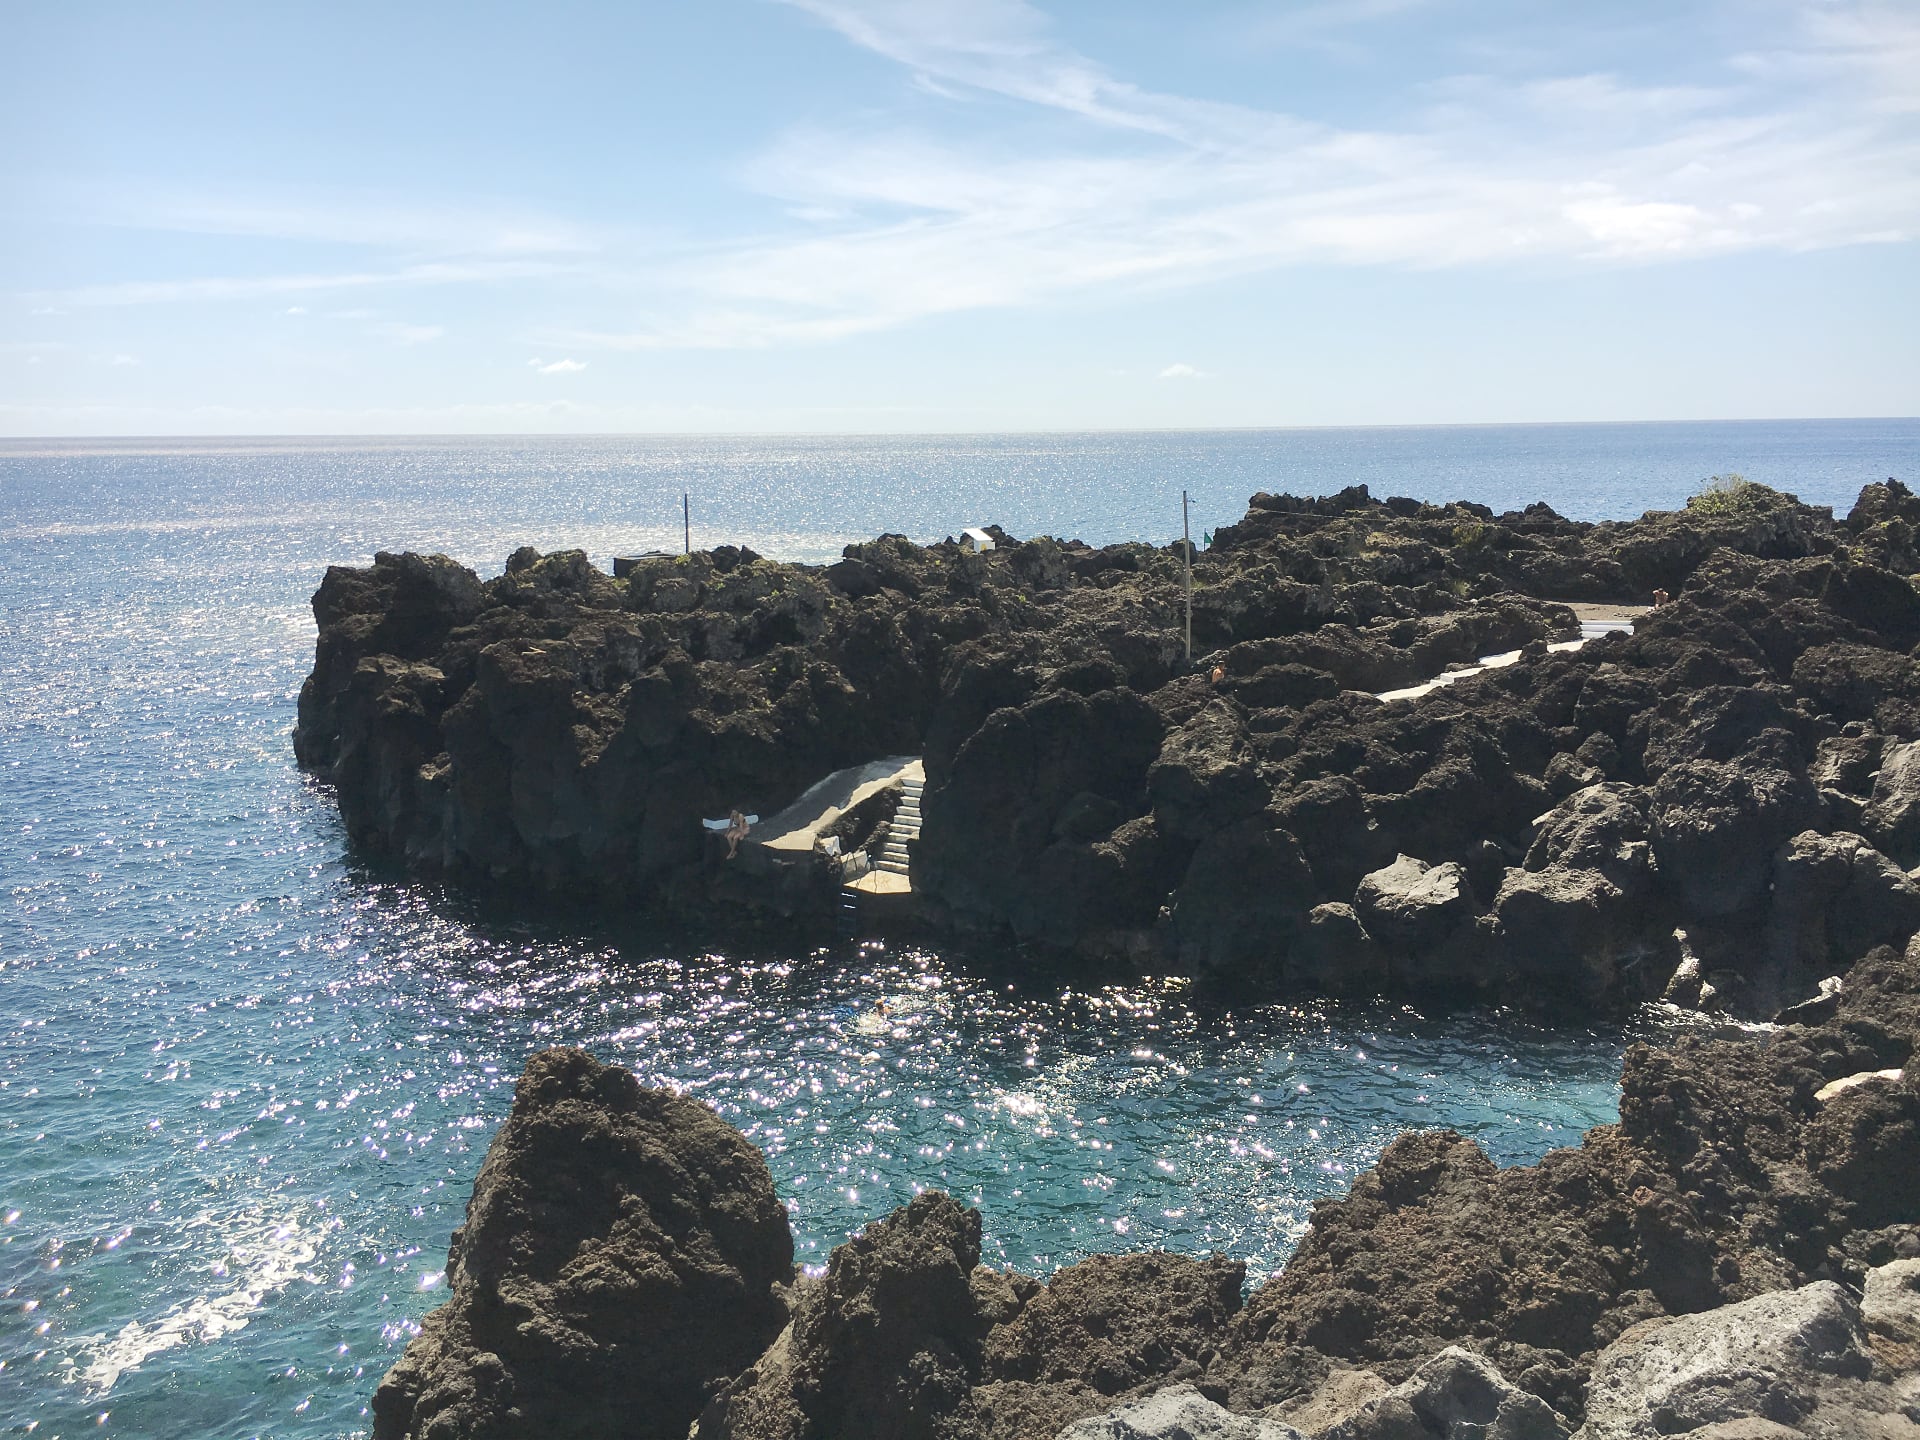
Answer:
(953, 215)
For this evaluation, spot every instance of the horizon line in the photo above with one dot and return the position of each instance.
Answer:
(771, 434)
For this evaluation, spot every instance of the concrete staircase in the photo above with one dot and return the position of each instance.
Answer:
(887, 888)
(905, 828)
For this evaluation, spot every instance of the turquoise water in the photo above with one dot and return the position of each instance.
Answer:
(245, 1083)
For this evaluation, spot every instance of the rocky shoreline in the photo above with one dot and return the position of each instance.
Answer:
(1720, 805)
(1742, 1250)
(1718, 808)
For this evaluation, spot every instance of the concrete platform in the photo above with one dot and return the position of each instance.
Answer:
(799, 825)
(881, 882)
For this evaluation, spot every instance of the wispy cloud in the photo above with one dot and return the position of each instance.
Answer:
(1183, 371)
(1155, 189)
(1006, 47)
(1038, 174)
(123, 360)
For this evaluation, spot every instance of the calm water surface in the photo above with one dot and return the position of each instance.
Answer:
(245, 1083)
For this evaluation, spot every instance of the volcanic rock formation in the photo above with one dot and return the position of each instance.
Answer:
(625, 1267)
(623, 1256)
(1743, 769)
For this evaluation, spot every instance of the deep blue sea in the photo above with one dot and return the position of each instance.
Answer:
(245, 1082)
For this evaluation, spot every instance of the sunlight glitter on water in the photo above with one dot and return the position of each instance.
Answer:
(245, 1082)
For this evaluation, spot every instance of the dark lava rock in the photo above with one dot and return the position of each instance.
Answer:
(1725, 1179)
(1835, 896)
(1110, 1325)
(907, 1336)
(1091, 792)
(886, 1344)
(1892, 816)
(623, 1257)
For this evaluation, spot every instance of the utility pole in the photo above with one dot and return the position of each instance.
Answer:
(1186, 560)
(686, 521)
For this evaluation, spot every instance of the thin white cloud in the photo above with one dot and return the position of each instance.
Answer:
(1158, 189)
(1809, 138)
(1183, 371)
(294, 310)
(121, 361)
(1005, 47)
(558, 367)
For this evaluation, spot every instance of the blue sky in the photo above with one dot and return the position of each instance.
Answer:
(949, 215)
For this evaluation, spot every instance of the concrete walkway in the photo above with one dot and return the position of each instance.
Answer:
(1595, 621)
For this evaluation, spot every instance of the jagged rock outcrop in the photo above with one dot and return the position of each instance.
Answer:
(907, 1336)
(1726, 1178)
(623, 1256)
(1088, 791)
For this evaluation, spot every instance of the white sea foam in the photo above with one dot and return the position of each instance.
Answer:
(264, 1254)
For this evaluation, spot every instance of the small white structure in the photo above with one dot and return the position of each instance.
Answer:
(976, 540)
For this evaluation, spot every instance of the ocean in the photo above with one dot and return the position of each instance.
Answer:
(246, 1079)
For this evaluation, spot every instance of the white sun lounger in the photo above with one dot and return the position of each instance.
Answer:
(722, 824)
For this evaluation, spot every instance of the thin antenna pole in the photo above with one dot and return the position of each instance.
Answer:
(1186, 560)
(686, 521)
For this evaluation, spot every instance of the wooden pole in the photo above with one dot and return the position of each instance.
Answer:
(1186, 560)
(686, 521)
